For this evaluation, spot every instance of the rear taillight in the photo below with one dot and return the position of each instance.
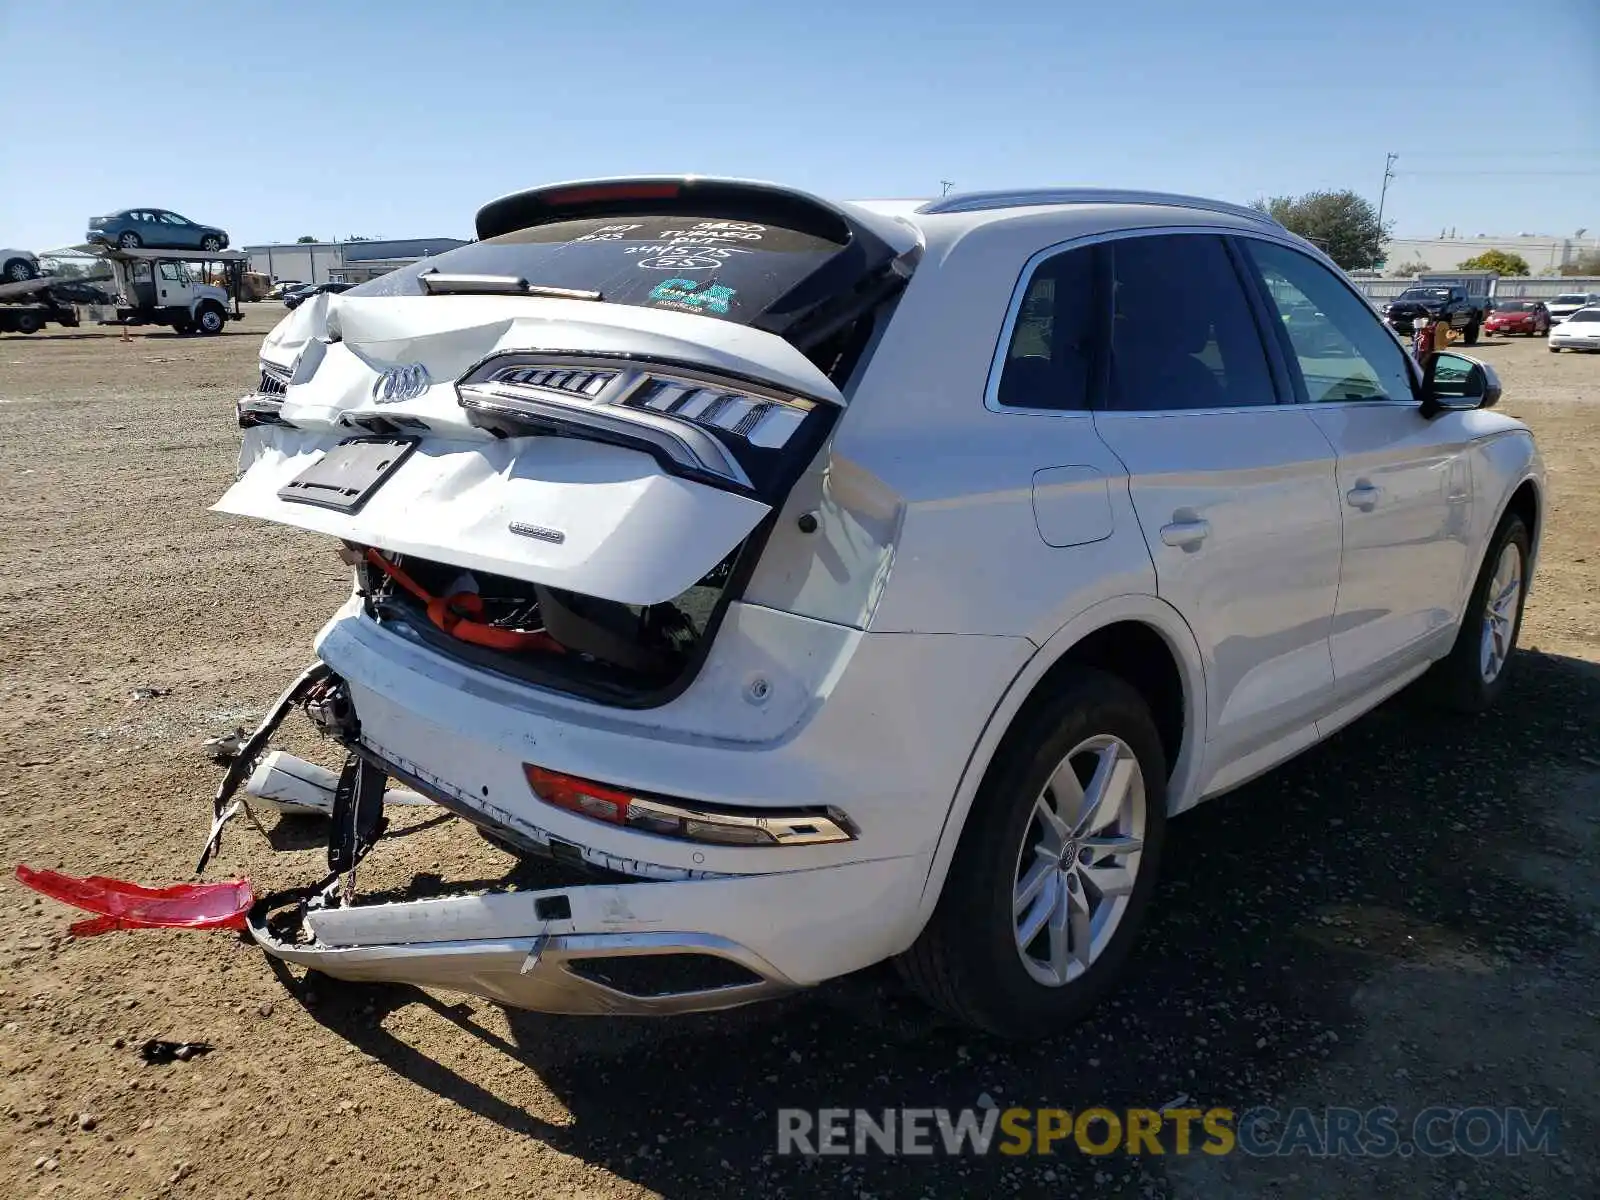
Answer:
(716, 825)
(695, 422)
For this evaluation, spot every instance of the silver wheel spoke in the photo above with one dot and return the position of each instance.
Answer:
(1109, 881)
(1106, 791)
(1056, 831)
(1033, 883)
(1059, 950)
(1082, 930)
(1066, 793)
(1049, 900)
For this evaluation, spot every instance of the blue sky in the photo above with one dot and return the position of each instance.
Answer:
(399, 118)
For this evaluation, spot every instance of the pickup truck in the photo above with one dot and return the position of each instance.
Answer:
(1442, 302)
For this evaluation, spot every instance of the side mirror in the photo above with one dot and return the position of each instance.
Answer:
(1453, 382)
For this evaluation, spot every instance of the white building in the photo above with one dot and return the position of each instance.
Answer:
(343, 262)
(1544, 255)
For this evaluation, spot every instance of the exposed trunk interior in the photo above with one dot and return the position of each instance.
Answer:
(628, 655)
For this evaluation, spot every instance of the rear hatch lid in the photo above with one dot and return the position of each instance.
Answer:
(605, 395)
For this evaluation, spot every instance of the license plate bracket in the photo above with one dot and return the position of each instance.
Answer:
(346, 476)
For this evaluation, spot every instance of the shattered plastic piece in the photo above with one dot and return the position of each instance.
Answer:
(222, 749)
(156, 1051)
(150, 693)
(119, 904)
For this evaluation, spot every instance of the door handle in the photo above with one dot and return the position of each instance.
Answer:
(1364, 495)
(1186, 534)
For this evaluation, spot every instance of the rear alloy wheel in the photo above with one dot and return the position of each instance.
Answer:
(211, 242)
(19, 270)
(209, 320)
(129, 240)
(1055, 867)
(1474, 674)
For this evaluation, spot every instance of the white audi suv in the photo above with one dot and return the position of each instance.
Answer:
(828, 583)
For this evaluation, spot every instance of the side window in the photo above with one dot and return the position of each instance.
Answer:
(170, 272)
(1049, 361)
(1182, 334)
(1342, 348)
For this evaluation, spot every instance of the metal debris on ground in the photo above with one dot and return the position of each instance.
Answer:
(157, 1052)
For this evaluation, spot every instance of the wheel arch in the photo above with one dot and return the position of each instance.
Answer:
(1140, 638)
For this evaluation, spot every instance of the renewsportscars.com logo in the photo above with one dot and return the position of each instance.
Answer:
(1477, 1131)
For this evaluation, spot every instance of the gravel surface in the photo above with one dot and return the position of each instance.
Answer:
(1405, 915)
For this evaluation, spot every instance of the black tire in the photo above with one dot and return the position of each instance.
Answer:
(1555, 349)
(1457, 680)
(129, 240)
(211, 243)
(20, 270)
(29, 322)
(209, 320)
(182, 327)
(1470, 335)
(967, 961)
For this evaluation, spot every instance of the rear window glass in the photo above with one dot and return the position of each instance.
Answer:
(734, 270)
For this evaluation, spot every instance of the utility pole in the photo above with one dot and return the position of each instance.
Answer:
(946, 184)
(1383, 192)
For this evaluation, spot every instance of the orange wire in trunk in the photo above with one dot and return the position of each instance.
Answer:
(456, 615)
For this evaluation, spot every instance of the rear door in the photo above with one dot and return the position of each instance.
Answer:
(1234, 492)
(1405, 483)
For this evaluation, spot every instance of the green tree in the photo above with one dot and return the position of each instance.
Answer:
(1342, 224)
(1407, 269)
(305, 238)
(1496, 260)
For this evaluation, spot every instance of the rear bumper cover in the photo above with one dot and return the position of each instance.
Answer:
(500, 947)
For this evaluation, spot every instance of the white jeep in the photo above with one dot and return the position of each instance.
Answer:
(841, 582)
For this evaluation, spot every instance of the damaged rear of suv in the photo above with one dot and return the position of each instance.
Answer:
(554, 458)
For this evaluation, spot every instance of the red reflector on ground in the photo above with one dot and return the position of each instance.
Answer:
(118, 904)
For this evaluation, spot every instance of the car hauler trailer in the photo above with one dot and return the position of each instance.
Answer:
(28, 306)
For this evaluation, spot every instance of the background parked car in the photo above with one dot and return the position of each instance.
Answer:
(283, 287)
(1580, 331)
(81, 291)
(1527, 317)
(18, 265)
(304, 292)
(155, 228)
(1564, 305)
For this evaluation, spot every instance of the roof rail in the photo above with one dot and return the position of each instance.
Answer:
(964, 202)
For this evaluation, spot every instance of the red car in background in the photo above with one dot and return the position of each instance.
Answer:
(1528, 317)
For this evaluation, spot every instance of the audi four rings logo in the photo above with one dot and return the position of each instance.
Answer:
(401, 383)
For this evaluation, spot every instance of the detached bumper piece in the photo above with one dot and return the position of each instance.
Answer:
(572, 974)
(119, 904)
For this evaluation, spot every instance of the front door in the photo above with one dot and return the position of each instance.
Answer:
(1405, 486)
(174, 288)
(1234, 492)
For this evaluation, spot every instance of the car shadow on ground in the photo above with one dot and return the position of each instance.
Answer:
(1275, 904)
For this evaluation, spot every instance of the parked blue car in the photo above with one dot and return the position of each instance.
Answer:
(155, 229)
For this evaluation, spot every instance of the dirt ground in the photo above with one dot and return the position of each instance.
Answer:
(1406, 915)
